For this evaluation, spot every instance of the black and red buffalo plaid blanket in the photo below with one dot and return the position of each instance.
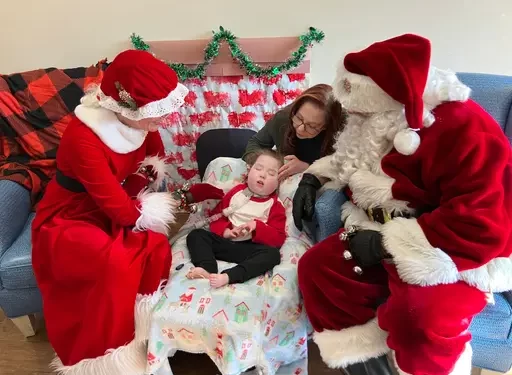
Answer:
(35, 109)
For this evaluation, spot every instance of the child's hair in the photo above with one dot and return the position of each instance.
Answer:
(265, 151)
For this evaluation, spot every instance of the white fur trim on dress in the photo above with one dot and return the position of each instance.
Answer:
(160, 168)
(144, 305)
(419, 263)
(462, 366)
(352, 345)
(95, 97)
(157, 211)
(130, 359)
(117, 136)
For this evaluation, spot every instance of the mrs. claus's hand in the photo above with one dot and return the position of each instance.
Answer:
(292, 166)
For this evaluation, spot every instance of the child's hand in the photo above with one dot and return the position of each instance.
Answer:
(250, 226)
(228, 233)
(232, 233)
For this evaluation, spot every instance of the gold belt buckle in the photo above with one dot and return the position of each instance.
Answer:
(373, 212)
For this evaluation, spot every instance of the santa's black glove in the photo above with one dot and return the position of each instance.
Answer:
(366, 248)
(304, 199)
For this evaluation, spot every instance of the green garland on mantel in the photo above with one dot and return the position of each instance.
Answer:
(244, 60)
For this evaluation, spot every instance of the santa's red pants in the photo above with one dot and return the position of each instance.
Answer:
(427, 327)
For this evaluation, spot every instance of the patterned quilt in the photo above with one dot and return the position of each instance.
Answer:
(259, 323)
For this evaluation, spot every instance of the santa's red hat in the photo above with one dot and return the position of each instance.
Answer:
(137, 85)
(400, 67)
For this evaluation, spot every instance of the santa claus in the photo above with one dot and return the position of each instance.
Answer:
(427, 231)
(100, 248)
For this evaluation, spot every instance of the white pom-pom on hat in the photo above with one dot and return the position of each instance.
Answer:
(406, 141)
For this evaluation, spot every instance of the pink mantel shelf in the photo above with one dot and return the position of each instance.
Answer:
(264, 51)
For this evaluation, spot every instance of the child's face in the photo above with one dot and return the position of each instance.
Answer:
(262, 177)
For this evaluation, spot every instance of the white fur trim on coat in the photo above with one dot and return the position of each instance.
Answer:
(416, 261)
(324, 168)
(419, 263)
(352, 345)
(370, 190)
(495, 276)
(462, 366)
(157, 211)
(160, 168)
(353, 215)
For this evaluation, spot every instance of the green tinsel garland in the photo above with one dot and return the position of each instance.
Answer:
(246, 63)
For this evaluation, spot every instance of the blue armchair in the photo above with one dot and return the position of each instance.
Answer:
(492, 328)
(19, 297)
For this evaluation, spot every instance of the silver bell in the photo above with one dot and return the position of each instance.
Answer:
(347, 255)
(344, 236)
(358, 270)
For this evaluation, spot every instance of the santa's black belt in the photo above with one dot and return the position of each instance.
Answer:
(381, 215)
(69, 183)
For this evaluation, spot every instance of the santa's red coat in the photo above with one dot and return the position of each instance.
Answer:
(459, 186)
(89, 263)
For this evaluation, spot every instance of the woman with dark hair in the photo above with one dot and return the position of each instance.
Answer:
(303, 132)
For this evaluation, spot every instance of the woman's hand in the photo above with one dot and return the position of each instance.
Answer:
(292, 166)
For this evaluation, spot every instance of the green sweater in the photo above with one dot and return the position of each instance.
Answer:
(272, 134)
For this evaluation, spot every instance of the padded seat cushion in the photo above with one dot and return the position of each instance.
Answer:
(495, 321)
(16, 263)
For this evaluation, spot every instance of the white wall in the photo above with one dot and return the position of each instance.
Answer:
(470, 35)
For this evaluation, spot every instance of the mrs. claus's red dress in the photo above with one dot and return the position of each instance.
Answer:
(93, 259)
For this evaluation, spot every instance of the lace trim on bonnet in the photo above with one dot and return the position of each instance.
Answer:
(94, 97)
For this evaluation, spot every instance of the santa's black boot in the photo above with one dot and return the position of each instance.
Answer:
(373, 366)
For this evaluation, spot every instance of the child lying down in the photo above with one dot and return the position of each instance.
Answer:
(250, 231)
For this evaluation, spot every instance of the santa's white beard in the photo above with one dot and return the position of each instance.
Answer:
(365, 140)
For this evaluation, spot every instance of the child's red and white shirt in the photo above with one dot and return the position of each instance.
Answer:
(268, 212)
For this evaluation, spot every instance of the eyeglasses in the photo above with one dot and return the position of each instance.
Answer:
(310, 129)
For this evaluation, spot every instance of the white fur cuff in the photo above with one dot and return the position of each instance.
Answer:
(323, 168)
(159, 167)
(157, 211)
(417, 261)
(352, 345)
(125, 360)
